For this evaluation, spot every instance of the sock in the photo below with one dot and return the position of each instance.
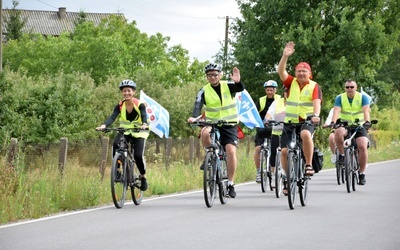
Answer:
(230, 183)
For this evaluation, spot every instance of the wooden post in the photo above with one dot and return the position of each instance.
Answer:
(62, 162)
(12, 152)
(104, 153)
(168, 152)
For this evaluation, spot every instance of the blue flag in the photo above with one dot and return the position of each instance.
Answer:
(248, 113)
(158, 116)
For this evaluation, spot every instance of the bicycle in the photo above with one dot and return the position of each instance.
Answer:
(215, 171)
(295, 176)
(123, 171)
(278, 174)
(351, 163)
(265, 168)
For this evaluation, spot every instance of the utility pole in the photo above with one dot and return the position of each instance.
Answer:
(1, 36)
(226, 43)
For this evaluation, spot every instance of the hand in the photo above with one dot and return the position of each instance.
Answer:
(144, 126)
(235, 76)
(101, 127)
(289, 49)
(367, 125)
(191, 120)
(315, 119)
(265, 121)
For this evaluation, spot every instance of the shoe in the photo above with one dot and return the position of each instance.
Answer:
(258, 177)
(341, 160)
(309, 170)
(231, 191)
(202, 166)
(143, 184)
(333, 158)
(361, 178)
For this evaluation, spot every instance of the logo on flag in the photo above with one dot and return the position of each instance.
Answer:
(158, 116)
(248, 113)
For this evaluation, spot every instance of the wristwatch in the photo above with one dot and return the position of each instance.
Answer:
(315, 115)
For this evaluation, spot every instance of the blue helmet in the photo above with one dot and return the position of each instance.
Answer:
(127, 83)
(270, 83)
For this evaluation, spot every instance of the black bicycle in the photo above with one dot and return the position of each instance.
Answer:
(351, 163)
(215, 171)
(124, 174)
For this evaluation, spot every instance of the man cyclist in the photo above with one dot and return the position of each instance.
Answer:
(262, 104)
(132, 114)
(352, 105)
(304, 100)
(219, 100)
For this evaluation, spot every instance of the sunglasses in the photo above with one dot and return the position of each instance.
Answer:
(350, 87)
(212, 75)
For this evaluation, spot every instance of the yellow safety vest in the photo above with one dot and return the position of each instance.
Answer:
(217, 108)
(353, 111)
(263, 100)
(125, 123)
(300, 102)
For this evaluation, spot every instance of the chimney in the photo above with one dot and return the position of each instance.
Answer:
(62, 12)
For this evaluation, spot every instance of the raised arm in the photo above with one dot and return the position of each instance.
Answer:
(287, 52)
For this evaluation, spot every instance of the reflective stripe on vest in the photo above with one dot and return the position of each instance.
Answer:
(263, 101)
(217, 109)
(353, 111)
(125, 123)
(299, 102)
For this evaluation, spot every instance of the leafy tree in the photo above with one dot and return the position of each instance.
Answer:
(15, 23)
(340, 39)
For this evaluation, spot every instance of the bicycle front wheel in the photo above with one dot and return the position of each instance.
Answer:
(278, 175)
(264, 162)
(136, 193)
(303, 186)
(209, 179)
(292, 178)
(348, 168)
(223, 182)
(118, 180)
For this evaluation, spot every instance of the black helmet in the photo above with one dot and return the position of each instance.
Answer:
(127, 83)
(213, 66)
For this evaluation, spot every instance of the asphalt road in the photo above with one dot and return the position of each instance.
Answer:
(333, 219)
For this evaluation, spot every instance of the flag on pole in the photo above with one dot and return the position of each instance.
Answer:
(248, 113)
(158, 116)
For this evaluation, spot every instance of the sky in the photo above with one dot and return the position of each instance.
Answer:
(198, 25)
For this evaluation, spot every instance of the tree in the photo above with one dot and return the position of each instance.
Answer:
(340, 39)
(15, 23)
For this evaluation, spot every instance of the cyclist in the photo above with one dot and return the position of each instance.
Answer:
(352, 105)
(219, 100)
(304, 100)
(132, 114)
(262, 106)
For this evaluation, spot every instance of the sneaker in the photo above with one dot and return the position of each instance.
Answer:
(143, 184)
(333, 158)
(341, 160)
(231, 191)
(361, 178)
(258, 177)
(202, 166)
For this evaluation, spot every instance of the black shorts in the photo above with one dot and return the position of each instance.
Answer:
(261, 134)
(361, 132)
(287, 133)
(228, 135)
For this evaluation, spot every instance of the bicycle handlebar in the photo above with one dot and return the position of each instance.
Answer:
(214, 123)
(122, 130)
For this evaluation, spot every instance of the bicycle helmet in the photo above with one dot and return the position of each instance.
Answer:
(270, 83)
(213, 66)
(127, 83)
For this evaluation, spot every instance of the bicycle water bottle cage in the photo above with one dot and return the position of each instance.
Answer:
(347, 143)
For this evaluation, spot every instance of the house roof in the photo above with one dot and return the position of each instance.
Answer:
(52, 23)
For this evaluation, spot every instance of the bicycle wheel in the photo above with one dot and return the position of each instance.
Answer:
(348, 169)
(303, 186)
(209, 182)
(278, 175)
(134, 184)
(223, 182)
(354, 171)
(118, 180)
(292, 162)
(264, 162)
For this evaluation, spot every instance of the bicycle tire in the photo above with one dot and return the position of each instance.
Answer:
(136, 193)
(348, 169)
(223, 182)
(303, 186)
(118, 180)
(209, 182)
(264, 169)
(291, 179)
(278, 175)
(355, 177)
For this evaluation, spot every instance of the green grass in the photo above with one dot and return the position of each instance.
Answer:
(34, 192)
